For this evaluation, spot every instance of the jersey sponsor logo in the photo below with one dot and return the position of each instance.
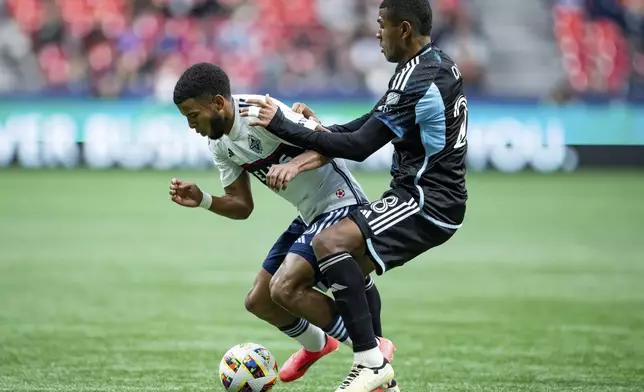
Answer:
(230, 153)
(260, 167)
(255, 144)
(366, 213)
(260, 174)
(340, 193)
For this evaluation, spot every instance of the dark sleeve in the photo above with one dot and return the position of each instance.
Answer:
(355, 146)
(350, 126)
(410, 100)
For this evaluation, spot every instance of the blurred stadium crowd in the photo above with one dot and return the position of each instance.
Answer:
(559, 49)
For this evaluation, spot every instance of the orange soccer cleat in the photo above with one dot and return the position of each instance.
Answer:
(297, 365)
(387, 348)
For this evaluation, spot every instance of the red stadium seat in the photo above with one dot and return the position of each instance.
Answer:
(595, 53)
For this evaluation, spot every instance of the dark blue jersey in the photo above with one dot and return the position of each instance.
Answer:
(426, 109)
(424, 115)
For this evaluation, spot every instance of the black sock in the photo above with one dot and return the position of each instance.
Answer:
(336, 329)
(375, 304)
(296, 329)
(347, 284)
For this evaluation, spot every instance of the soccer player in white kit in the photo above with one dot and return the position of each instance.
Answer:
(323, 191)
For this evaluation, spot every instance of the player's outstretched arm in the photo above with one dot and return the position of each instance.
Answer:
(236, 203)
(356, 146)
(351, 126)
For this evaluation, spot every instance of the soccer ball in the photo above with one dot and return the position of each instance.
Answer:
(248, 367)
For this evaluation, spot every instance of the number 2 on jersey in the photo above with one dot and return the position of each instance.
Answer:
(460, 108)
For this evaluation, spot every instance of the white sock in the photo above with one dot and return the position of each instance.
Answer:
(308, 335)
(312, 339)
(371, 358)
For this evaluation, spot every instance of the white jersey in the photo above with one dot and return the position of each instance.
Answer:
(255, 150)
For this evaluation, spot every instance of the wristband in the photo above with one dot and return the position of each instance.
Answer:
(311, 124)
(206, 201)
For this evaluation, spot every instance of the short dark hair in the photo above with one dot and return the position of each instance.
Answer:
(199, 80)
(417, 12)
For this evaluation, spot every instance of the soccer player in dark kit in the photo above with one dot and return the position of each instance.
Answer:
(424, 114)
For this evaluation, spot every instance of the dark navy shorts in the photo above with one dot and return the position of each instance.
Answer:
(397, 230)
(297, 239)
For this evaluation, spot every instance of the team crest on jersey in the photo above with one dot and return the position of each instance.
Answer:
(392, 99)
(340, 193)
(255, 144)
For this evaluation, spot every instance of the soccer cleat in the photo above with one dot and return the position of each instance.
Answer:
(297, 365)
(392, 386)
(365, 379)
(387, 348)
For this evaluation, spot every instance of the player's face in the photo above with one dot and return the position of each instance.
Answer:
(390, 35)
(206, 117)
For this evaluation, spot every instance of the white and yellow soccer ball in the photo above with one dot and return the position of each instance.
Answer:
(248, 367)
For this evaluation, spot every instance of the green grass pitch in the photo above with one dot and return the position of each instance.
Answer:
(105, 285)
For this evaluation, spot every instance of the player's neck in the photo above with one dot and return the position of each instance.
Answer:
(417, 45)
(229, 122)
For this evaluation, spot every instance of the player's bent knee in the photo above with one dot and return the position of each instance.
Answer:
(258, 304)
(251, 303)
(294, 276)
(277, 291)
(283, 290)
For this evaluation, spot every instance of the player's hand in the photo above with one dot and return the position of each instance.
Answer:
(265, 114)
(306, 111)
(185, 193)
(279, 176)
